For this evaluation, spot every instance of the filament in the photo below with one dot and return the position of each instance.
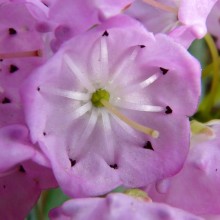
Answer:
(31, 53)
(133, 124)
(161, 6)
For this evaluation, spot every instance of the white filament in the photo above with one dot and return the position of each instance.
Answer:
(77, 72)
(125, 64)
(81, 110)
(104, 57)
(91, 125)
(149, 80)
(65, 93)
(138, 107)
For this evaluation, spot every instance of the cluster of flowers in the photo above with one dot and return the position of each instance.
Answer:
(97, 94)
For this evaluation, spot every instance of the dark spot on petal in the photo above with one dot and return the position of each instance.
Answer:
(13, 68)
(1, 60)
(142, 46)
(38, 89)
(105, 34)
(168, 110)
(163, 70)
(114, 166)
(12, 31)
(73, 162)
(6, 101)
(216, 170)
(4, 186)
(148, 146)
(21, 169)
(44, 133)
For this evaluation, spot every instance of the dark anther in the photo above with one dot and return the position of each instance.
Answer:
(13, 68)
(21, 169)
(142, 46)
(45, 4)
(216, 170)
(38, 89)
(73, 162)
(163, 70)
(1, 60)
(12, 31)
(148, 145)
(105, 34)
(44, 133)
(114, 166)
(168, 110)
(4, 186)
(6, 101)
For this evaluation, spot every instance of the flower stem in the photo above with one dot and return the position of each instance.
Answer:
(215, 80)
(207, 70)
(133, 124)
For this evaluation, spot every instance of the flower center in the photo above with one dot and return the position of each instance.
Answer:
(98, 96)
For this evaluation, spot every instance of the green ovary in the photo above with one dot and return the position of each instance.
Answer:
(98, 95)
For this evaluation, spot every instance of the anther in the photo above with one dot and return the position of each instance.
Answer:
(38, 89)
(6, 101)
(168, 110)
(114, 166)
(72, 162)
(44, 133)
(32, 53)
(133, 124)
(12, 31)
(163, 70)
(142, 46)
(105, 34)
(13, 68)
(148, 146)
(21, 169)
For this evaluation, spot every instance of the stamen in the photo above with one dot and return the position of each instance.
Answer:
(138, 107)
(126, 128)
(161, 6)
(107, 133)
(104, 57)
(9, 172)
(81, 77)
(133, 124)
(149, 80)
(6, 101)
(90, 126)
(1, 90)
(65, 93)
(81, 110)
(13, 68)
(125, 63)
(32, 53)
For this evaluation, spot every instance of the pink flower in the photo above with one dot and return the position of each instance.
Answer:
(196, 187)
(184, 20)
(117, 206)
(62, 20)
(110, 108)
(24, 173)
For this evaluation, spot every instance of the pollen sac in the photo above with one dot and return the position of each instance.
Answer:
(98, 95)
(12, 31)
